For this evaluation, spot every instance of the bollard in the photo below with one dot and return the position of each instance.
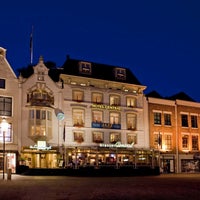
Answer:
(9, 172)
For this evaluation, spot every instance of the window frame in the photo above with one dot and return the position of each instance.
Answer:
(157, 118)
(6, 106)
(2, 83)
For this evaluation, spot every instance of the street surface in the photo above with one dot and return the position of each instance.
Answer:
(163, 187)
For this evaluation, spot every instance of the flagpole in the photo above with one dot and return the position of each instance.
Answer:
(64, 147)
(31, 46)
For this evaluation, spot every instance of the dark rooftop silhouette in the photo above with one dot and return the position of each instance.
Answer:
(99, 71)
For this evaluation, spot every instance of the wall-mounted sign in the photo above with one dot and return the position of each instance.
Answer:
(117, 145)
(107, 107)
(41, 145)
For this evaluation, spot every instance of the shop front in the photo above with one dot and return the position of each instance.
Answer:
(9, 161)
(110, 155)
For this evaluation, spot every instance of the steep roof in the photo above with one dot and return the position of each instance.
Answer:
(154, 94)
(181, 96)
(99, 71)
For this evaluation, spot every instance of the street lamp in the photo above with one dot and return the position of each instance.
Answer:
(4, 128)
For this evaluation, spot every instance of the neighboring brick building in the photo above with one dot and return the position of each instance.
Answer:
(174, 130)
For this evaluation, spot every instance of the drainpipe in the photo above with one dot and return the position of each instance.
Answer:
(177, 156)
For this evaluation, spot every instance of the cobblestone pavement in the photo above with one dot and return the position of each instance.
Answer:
(163, 187)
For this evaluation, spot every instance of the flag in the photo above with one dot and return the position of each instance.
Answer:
(160, 140)
(64, 133)
(31, 46)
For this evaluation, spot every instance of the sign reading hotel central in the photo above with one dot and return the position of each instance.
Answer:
(107, 107)
(117, 145)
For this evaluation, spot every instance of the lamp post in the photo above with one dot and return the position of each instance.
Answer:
(4, 127)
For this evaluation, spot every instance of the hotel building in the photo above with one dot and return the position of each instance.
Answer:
(81, 114)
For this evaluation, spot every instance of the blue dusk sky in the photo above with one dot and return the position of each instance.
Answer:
(159, 40)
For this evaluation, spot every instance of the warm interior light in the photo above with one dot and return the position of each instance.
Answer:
(4, 125)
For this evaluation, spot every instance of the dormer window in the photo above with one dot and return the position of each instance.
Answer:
(85, 68)
(120, 73)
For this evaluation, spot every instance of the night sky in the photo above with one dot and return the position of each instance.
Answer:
(159, 40)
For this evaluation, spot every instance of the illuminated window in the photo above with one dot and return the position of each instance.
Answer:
(115, 137)
(97, 116)
(157, 140)
(97, 136)
(157, 118)
(114, 118)
(131, 102)
(40, 121)
(85, 68)
(131, 138)
(184, 120)
(120, 73)
(131, 121)
(194, 121)
(40, 97)
(77, 95)
(79, 136)
(2, 83)
(5, 106)
(185, 141)
(78, 117)
(114, 100)
(168, 141)
(195, 142)
(97, 97)
(167, 119)
(8, 134)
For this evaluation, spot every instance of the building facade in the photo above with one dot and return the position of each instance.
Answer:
(9, 112)
(81, 114)
(174, 131)
(90, 114)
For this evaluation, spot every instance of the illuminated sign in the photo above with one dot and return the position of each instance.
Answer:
(101, 106)
(40, 148)
(41, 145)
(117, 145)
